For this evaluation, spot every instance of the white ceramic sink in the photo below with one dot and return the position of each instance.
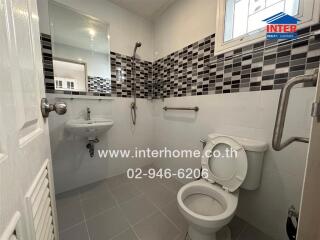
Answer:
(89, 128)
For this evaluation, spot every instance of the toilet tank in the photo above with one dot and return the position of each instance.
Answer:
(255, 151)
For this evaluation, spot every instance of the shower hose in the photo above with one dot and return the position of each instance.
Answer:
(133, 113)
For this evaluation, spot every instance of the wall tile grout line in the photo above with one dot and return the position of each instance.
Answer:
(195, 70)
(119, 206)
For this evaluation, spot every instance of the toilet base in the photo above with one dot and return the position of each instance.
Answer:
(223, 234)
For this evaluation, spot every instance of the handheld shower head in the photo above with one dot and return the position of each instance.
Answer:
(138, 44)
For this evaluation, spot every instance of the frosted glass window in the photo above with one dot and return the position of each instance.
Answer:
(246, 16)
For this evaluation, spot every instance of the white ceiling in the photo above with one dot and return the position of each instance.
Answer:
(147, 8)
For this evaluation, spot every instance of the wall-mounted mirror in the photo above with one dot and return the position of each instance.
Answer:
(81, 51)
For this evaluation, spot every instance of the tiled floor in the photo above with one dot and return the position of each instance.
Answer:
(123, 209)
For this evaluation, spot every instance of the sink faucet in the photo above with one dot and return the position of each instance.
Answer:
(88, 113)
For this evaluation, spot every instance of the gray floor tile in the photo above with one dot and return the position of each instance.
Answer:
(182, 236)
(97, 189)
(78, 232)
(173, 213)
(116, 181)
(95, 205)
(237, 225)
(127, 235)
(96, 198)
(156, 227)
(172, 184)
(140, 200)
(220, 236)
(68, 194)
(251, 233)
(138, 208)
(159, 195)
(107, 225)
(69, 210)
(125, 192)
(146, 183)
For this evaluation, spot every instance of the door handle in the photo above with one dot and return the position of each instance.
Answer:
(59, 107)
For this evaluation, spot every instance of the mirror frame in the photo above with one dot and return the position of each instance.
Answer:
(75, 61)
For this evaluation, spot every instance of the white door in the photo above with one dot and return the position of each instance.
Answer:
(309, 222)
(24, 140)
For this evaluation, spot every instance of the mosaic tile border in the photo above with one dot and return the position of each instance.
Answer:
(143, 71)
(267, 65)
(98, 86)
(47, 60)
(194, 70)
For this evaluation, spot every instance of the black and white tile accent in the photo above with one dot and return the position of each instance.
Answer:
(143, 73)
(267, 65)
(46, 48)
(102, 87)
(195, 70)
(99, 85)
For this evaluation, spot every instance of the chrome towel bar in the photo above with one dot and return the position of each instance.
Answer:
(196, 109)
(282, 111)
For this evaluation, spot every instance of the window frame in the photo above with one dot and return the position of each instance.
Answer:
(308, 16)
(64, 84)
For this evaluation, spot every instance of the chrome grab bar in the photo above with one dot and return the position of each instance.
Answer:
(196, 109)
(282, 111)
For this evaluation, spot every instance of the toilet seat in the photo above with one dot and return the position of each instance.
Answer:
(228, 170)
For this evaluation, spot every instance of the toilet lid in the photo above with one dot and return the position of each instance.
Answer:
(224, 161)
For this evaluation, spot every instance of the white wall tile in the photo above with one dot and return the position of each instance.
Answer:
(73, 166)
(249, 115)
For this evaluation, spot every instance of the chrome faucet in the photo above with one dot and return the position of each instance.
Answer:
(88, 113)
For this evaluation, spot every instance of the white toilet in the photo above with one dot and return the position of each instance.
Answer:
(209, 204)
